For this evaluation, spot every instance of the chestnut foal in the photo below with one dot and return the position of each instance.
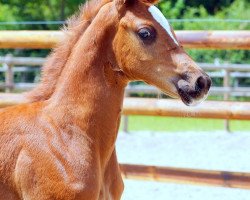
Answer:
(61, 145)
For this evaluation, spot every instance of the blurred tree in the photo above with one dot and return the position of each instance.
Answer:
(212, 6)
(37, 10)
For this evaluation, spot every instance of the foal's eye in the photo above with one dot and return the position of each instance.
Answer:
(147, 35)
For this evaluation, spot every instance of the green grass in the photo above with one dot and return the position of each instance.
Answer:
(170, 124)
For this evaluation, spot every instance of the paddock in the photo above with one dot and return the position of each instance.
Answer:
(201, 150)
(194, 174)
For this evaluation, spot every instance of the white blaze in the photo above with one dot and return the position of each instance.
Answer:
(159, 17)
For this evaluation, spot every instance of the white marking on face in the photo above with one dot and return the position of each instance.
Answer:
(159, 17)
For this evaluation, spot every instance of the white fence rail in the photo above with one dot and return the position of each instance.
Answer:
(12, 65)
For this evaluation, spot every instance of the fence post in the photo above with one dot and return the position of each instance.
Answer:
(9, 75)
(226, 83)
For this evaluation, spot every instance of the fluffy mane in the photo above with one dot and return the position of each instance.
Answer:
(55, 63)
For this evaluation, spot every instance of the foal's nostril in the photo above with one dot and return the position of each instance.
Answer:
(201, 83)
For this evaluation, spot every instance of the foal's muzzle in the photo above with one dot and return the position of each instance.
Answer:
(194, 93)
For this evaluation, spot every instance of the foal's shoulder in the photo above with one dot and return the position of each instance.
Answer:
(21, 109)
(18, 115)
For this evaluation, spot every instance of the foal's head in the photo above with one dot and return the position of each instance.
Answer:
(146, 49)
(143, 46)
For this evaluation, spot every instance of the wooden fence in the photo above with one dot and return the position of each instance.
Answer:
(225, 110)
(187, 176)
(215, 70)
(189, 39)
(164, 107)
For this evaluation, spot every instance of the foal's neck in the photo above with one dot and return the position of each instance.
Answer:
(89, 93)
(89, 76)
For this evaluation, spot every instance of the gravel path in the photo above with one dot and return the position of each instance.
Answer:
(212, 151)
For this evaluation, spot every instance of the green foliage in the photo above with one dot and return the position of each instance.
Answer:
(239, 9)
(36, 10)
(173, 10)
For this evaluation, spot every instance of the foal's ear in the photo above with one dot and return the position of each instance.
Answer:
(121, 5)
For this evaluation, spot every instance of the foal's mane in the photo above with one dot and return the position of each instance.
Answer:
(55, 63)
